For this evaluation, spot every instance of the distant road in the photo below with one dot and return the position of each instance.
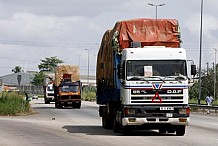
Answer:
(82, 127)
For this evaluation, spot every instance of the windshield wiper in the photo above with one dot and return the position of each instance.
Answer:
(137, 79)
(156, 77)
(178, 78)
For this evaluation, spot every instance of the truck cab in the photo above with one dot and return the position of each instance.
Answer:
(154, 89)
(49, 93)
(68, 94)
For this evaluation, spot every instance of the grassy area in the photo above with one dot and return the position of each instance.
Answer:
(195, 101)
(89, 95)
(13, 103)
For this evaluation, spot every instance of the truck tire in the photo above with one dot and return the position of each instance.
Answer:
(78, 105)
(117, 128)
(180, 130)
(162, 130)
(107, 122)
(56, 105)
(127, 130)
(47, 102)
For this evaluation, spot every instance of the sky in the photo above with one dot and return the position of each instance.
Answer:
(31, 30)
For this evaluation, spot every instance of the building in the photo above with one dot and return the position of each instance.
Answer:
(22, 81)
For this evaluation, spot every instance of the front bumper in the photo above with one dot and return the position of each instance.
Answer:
(133, 121)
(158, 114)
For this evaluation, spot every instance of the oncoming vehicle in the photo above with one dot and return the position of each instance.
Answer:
(67, 87)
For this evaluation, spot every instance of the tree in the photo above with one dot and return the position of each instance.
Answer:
(206, 85)
(17, 69)
(48, 64)
(38, 79)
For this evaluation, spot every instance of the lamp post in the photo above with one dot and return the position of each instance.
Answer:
(199, 95)
(88, 66)
(159, 5)
(214, 85)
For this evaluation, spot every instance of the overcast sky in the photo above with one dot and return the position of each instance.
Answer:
(31, 30)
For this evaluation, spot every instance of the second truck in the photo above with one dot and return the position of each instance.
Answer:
(142, 78)
(67, 86)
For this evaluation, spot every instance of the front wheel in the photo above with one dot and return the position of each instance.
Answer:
(107, 122)
(162, 130)
(180, 130)
(117, 128)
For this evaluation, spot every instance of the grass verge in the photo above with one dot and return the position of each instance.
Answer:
(13, 104)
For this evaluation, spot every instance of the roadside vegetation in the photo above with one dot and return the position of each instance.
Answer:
(89, 93)
(13, 104)
(207, 88)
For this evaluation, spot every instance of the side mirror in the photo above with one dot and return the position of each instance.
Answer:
(193, 70)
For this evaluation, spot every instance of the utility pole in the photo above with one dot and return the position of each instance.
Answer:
(207, 68)
(201, 25)
(88, 67)
(214, 85)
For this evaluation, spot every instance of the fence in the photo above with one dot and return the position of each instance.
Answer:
(31, 89)
(203, 108)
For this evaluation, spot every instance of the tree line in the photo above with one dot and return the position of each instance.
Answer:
(207, 85)
(47, 65)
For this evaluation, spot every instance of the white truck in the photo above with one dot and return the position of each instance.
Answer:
(143, 86)
(49, 88)
(49, 93)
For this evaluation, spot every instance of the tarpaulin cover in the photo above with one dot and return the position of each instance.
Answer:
(150, 32)
(66, 69)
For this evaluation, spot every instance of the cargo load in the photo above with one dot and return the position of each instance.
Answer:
(149, 32)
(73, 70)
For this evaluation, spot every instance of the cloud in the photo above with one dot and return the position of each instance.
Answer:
(33, 30)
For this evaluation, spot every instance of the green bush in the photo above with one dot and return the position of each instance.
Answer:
(13, 103)
(89, 93)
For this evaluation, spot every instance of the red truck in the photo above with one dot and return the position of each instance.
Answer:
(67, 86)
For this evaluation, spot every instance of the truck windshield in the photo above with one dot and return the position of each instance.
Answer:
(152, 68)
(69, 88)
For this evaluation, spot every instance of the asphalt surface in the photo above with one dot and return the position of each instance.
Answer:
(82, 127)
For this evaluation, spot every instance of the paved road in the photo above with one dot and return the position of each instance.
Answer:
(82, 127)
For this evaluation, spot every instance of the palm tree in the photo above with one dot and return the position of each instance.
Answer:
(17, 69)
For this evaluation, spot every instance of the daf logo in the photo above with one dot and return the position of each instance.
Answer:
(174, 91)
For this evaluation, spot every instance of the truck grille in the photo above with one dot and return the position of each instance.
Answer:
(156, 96)
(70, 97)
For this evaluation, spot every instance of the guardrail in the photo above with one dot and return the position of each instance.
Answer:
(203, 108)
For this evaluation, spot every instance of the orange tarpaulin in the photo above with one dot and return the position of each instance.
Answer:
(150, 32)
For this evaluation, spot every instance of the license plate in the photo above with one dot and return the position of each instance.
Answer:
(169, 115)
(166, 108)
(69, 102)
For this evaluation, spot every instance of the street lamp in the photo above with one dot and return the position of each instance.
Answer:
(214, 85)
(159, 5)
(88, 66)
(199, 95)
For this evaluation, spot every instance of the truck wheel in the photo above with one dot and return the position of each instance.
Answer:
(56, 105)
(107, 123)
(127, 130)
(60, 106)
(78, 105)
(180, 130)
(47, 102)
(117, 127)
(162, 130)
